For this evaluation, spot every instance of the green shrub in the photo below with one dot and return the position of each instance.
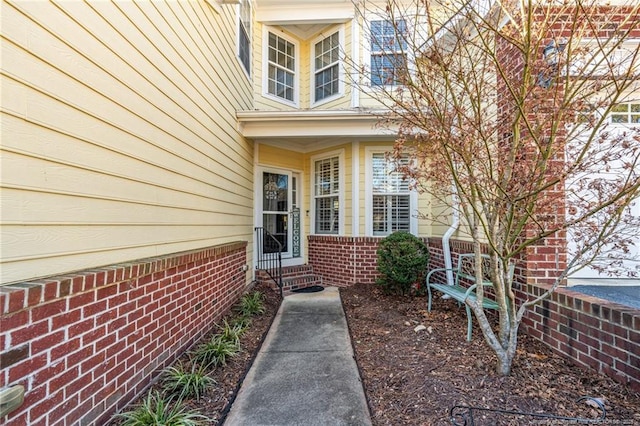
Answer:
(402, 262)
(182, 382)
(251, 304)
(215, 352)
(155, 411)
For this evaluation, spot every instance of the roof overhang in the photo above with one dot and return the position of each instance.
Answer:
(304, 18)
(312, 124)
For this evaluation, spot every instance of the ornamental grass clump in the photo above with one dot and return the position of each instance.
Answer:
(215, 352)
(155, 410)
(181, 382)
(251, 304)
(402, 261)
(231, 332)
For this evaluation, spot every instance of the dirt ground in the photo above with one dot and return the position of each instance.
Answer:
(415, 378)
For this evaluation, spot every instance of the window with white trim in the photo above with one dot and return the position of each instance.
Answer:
(281, 69)
(388, 51)
(626, 113)
(391, 199)
(326, 195)
(244, 35)
(327, 67)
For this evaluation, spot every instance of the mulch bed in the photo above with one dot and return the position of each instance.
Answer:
(415, 378)
(217, 400)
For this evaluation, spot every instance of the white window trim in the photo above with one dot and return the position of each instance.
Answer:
(628, 114)
(368, 194)
(265, 66)
(312, 194)
(250, 35)
(312, 66)
(367, 53)
(366, 42)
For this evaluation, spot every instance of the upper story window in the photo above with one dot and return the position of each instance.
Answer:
(327, 67)
(244, 35)
(326, 195)
(627, 113)
(391, 199)
(281, 68)
(388, 51)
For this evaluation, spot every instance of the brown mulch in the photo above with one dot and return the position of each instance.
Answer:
(217, 400)
(414, 378)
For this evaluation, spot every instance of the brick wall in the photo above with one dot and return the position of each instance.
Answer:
(85, 345)
(344, 261)
(593, 333)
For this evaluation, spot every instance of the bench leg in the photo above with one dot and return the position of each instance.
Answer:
(469, 317)
(429, 295)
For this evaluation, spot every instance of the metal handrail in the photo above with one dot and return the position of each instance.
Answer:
(269, 260)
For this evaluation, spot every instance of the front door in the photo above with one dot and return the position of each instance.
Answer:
(276, 204)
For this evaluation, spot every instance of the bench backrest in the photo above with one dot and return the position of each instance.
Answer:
(466, 268)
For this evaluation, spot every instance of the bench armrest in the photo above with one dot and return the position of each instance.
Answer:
(472, 288)
(433, 271)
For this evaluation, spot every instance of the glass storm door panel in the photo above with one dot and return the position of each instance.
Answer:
(276, 205)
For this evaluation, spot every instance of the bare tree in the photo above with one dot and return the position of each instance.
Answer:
(511, 102)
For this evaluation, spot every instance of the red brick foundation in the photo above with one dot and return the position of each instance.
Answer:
(85, 345)
(344, 261)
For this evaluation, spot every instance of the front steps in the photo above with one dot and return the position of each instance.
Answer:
(293, 278)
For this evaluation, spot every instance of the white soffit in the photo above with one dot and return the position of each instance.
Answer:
(304, 13)
(311, 124)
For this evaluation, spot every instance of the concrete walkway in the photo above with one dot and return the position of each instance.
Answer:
(305, 373)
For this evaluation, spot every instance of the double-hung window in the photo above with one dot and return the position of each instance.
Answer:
(391, 198)
(244, 35)
(326, 194)
(627, 113)
(327, 67)
(281, 68)
(388, 51)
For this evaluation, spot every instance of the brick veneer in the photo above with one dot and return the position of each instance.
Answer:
(344, 261)
(85, 345)
(591, 332)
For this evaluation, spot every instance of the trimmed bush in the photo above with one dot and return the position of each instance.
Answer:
(402, 262)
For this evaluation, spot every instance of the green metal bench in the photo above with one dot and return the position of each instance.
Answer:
(463, 271)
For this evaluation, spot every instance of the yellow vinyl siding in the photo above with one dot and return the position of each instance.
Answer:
(119, 134)
(271, 156)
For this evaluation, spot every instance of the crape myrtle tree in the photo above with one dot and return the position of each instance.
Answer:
(505, 109)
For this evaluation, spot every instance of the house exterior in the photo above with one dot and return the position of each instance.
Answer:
(142, 144)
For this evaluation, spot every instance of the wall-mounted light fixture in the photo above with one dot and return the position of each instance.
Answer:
(551, 55)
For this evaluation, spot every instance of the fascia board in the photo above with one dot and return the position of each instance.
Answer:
(310, 14)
